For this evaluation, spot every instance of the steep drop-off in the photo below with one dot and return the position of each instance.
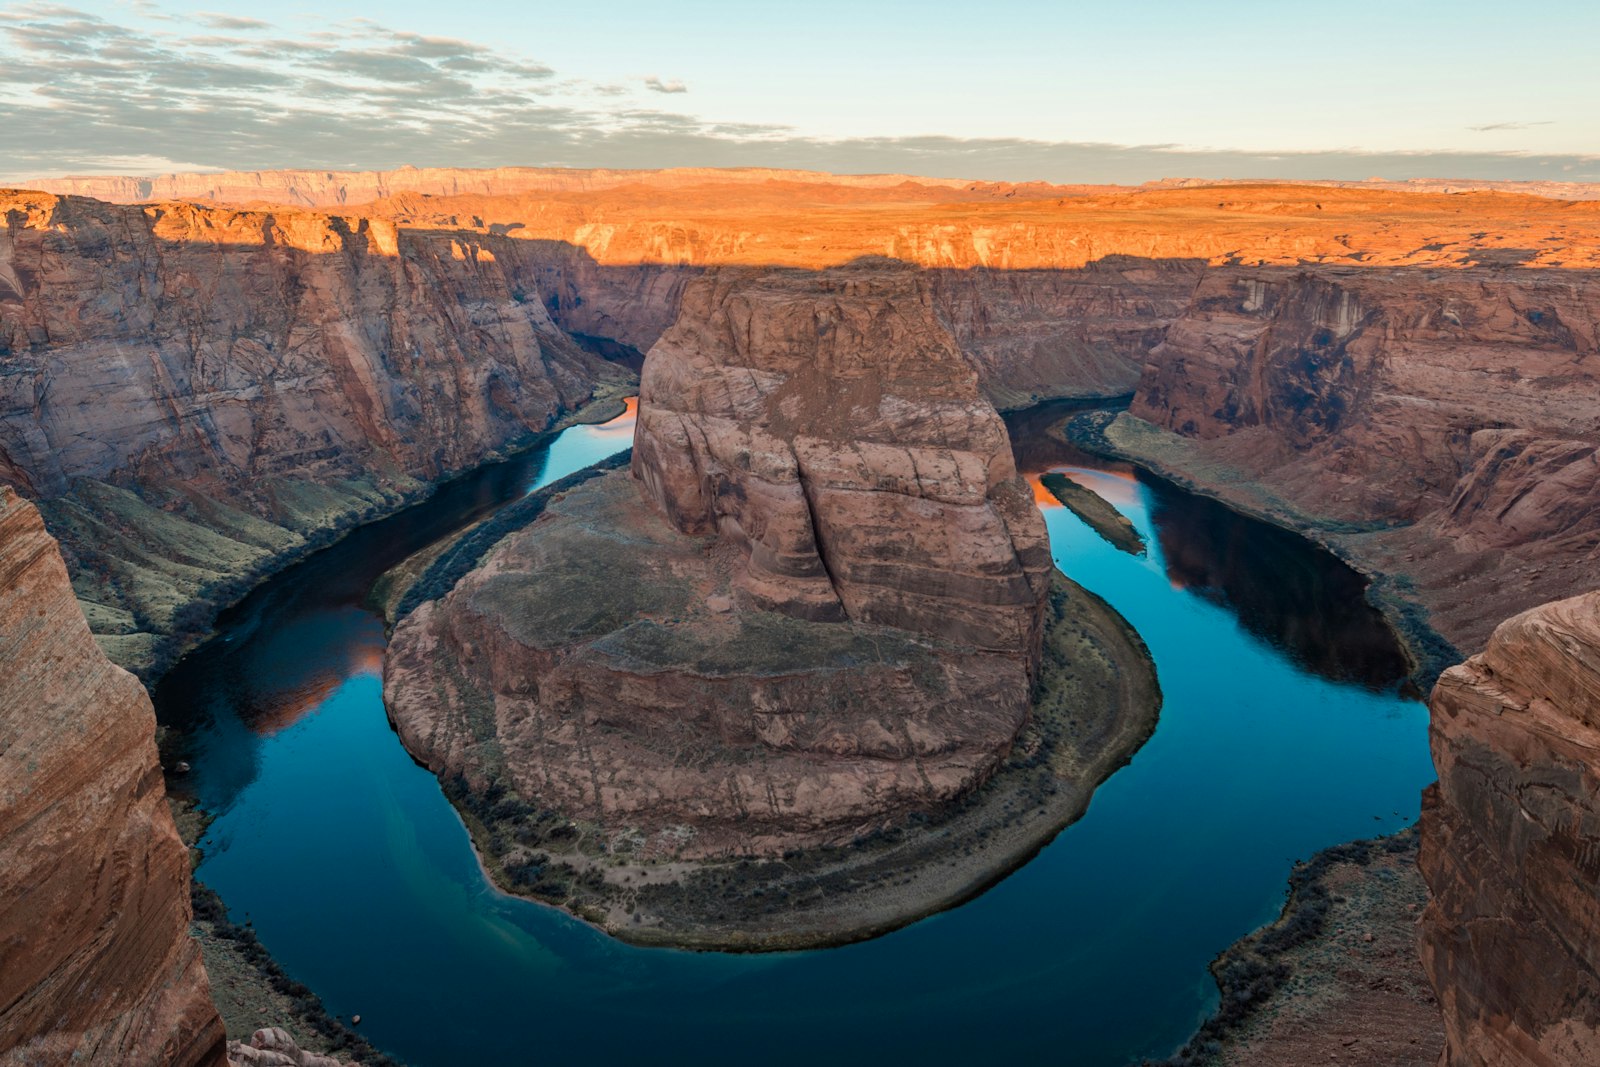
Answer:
(196, 392)
(1511, 844)
(1440, 427)
(838, 621)
(195, 395)
(815, 613)
(98, 963)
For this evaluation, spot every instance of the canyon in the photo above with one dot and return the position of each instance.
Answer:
(218, 375)
(814, 608)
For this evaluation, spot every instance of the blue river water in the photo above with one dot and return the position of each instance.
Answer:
(1284, 730)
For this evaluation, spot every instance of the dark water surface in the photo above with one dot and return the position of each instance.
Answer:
(1282, 732)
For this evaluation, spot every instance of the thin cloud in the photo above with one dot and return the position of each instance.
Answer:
(230, 22)
(1493, 126)
(656, 85)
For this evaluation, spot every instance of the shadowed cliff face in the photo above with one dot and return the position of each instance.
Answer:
(94, 934)
(1511, 844)
(1451, 414)
(197, 395)
(264, 377)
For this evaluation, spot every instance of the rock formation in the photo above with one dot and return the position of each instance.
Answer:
(195, 395)
(242, 382)
(1511, 844)
(272, 1046)
(833, 620)
(1439, 426)
(828, 425)
(98, 963)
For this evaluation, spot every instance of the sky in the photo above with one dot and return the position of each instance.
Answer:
(1063, 91)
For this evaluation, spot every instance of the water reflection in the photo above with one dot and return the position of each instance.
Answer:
(1307, 603)
(361, 880)
(289, 647)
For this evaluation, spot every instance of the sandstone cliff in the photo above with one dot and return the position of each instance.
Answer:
(837, 623)
(1439, 425)
(1511, 844)
(242, 382)
(829, 426)
(195, 395)
(98, 963)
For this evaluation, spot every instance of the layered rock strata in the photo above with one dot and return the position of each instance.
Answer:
(1511, 844)
(1437, 427)
(813, 613)
(98, 963)
(831, 615)
(828, 426)
(195, 395)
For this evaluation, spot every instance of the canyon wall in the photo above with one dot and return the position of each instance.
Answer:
(816, 607)
(1406, 371)
(1511, 844)
(195, 395)
(828, 424)
(1437, 425)
(94, 934)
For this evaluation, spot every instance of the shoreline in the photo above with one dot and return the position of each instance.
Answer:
(170, 649)
(1428, 652)
(1335, 975)
(839, 895)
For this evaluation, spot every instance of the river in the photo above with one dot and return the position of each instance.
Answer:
(1286, 728)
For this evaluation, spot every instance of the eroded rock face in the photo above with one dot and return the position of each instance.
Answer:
(828, 425)
(1511, 844)
(602, 664)
(273, 1046)
(255, 379)
(1460, 405)
(98, 963)
(816, 607)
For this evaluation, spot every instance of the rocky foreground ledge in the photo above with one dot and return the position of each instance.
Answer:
(1511, 843)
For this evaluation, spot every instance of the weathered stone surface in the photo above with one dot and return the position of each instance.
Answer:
(1452, 415)
(828, 425)
(589, 666)
(98, 966)
(1511, 844)
(273, 1046)
(195, 393)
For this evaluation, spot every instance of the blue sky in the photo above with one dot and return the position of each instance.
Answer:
(1063, 91)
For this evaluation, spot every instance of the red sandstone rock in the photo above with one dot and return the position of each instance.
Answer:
(255, 380)
(1511, 844)
(1461, 405)
(98, 966)
(836, 625)
(828, 425)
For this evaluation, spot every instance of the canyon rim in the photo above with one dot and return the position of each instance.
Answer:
(862, 559)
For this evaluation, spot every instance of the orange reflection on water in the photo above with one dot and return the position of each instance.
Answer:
(1118, 488)
(298, 692)
(1042, 496)
(622, 425)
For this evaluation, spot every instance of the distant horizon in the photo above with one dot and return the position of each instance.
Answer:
(1064, 92)
(1170, 180)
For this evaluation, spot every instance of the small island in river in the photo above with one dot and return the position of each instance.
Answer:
(802, 675)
